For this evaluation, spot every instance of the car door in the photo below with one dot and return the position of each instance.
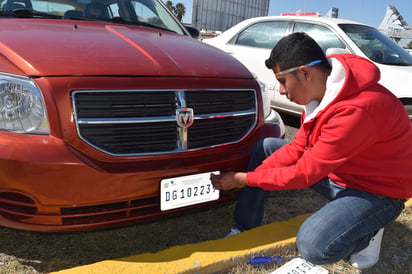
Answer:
(252, 46)
(326, 38)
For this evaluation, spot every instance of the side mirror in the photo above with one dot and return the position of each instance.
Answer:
(331, 51)
(194, 32)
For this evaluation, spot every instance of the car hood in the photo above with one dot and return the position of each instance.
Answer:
(63, 48)
(397, 79)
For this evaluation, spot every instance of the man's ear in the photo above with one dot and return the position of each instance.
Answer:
(306, 72)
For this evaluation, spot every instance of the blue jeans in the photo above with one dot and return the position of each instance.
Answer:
(343, 226)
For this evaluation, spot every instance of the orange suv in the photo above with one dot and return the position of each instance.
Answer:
(110, 114)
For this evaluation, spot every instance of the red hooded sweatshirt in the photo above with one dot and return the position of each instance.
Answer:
(359, 136)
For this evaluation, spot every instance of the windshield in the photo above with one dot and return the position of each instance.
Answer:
(141, 12)
(377, 46)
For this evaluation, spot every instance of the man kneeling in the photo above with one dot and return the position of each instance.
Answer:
(354, 147)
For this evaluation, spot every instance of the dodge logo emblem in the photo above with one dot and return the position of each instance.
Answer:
(184, 117)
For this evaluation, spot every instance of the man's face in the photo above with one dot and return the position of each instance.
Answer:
(299, 85)
(292, 85)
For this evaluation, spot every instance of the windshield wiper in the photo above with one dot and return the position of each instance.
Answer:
(400, 64)
(121, 20)
(28, 13)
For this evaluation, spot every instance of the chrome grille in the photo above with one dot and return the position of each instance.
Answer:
(139, 122)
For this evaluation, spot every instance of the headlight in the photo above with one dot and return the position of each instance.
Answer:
(266, 98)
(21, 106)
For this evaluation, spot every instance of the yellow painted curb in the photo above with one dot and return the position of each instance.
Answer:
(204, 257)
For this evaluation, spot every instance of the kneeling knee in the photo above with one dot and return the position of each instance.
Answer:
(309, 251)
(315, 249)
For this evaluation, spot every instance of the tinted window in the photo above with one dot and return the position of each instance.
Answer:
(262, 35)
(150, 13)
(323, 36)
(378, 47)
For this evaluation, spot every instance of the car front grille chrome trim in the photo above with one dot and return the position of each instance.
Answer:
(145, 122)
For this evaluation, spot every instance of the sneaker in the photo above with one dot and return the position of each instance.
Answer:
(368, 256)
(232, 232)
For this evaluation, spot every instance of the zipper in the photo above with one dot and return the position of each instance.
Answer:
(309, 133)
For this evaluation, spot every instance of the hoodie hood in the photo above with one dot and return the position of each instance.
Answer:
(63, 48)
(350, 75)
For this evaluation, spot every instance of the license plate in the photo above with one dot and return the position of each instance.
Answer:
(187, 190)
(299, 265)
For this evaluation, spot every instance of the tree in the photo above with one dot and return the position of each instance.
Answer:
(169, 5)
(179, 10)
(409, 45)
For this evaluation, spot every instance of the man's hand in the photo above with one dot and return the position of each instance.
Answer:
(229, 180)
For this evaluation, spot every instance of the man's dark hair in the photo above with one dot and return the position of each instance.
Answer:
(294, 50)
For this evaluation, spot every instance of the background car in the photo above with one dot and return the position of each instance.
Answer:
(251, 42)
(111, 114)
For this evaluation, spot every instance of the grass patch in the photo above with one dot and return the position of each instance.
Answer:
(34, 252)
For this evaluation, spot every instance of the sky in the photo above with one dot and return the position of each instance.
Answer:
(370, 12)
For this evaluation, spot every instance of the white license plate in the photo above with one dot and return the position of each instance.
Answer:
(299, 265)
(187, 190)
